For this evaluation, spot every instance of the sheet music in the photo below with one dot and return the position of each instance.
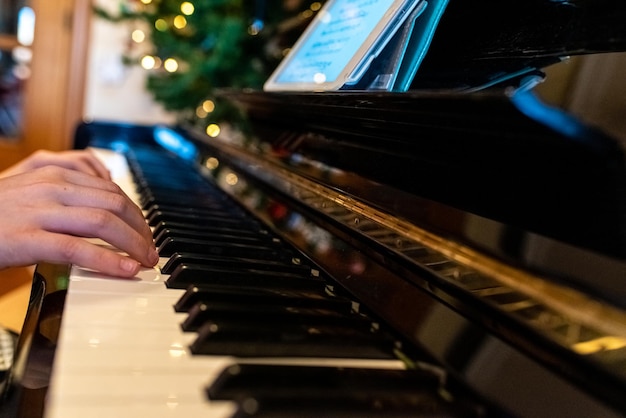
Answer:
(342, 30)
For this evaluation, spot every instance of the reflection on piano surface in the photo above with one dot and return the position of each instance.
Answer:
(349, 270)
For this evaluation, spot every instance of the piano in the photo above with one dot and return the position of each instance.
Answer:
(444, 252)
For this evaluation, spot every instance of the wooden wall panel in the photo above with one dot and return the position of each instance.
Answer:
(54, 94)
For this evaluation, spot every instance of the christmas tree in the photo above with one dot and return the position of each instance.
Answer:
(199, 46)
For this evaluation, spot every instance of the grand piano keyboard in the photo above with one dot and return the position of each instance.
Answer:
(231, 323)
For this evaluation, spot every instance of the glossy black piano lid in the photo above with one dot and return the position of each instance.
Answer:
(509, 158)
(526, 170)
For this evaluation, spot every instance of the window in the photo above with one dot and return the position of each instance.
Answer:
(17, 22)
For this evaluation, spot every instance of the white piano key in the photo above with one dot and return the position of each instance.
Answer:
(126, 408)
(131, 408)
(175, 360)
(158, 383)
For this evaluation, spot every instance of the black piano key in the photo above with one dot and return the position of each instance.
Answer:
(240, 381)
(179, 174)
(251, 296)
(171, 191)
(178, 197)
(185, 199)
(195, 274)
(179, 181)
(173, 245)
(213, 235)
(311, 391)
(288, 266)
(204, 312)
(196, 205)
(406, 405)
(246, 229)
(212, 210)
(168, 187)
(252, 338)
(197, 218)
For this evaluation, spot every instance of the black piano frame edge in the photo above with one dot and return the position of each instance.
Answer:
(25, 393)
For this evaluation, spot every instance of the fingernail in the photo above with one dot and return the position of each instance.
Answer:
(128, 265)
(153, 256)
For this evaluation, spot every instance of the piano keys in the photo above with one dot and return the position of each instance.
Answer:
(246, 324)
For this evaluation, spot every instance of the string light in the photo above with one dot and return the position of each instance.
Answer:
(187, 8)
(180, 22)
(138, 36)
(212, 163)
(208, 106)
(201, 113)
(205, 108)
(148, 62)
(213, 130)
(170, 65)
(160, 25)
(232, 179)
